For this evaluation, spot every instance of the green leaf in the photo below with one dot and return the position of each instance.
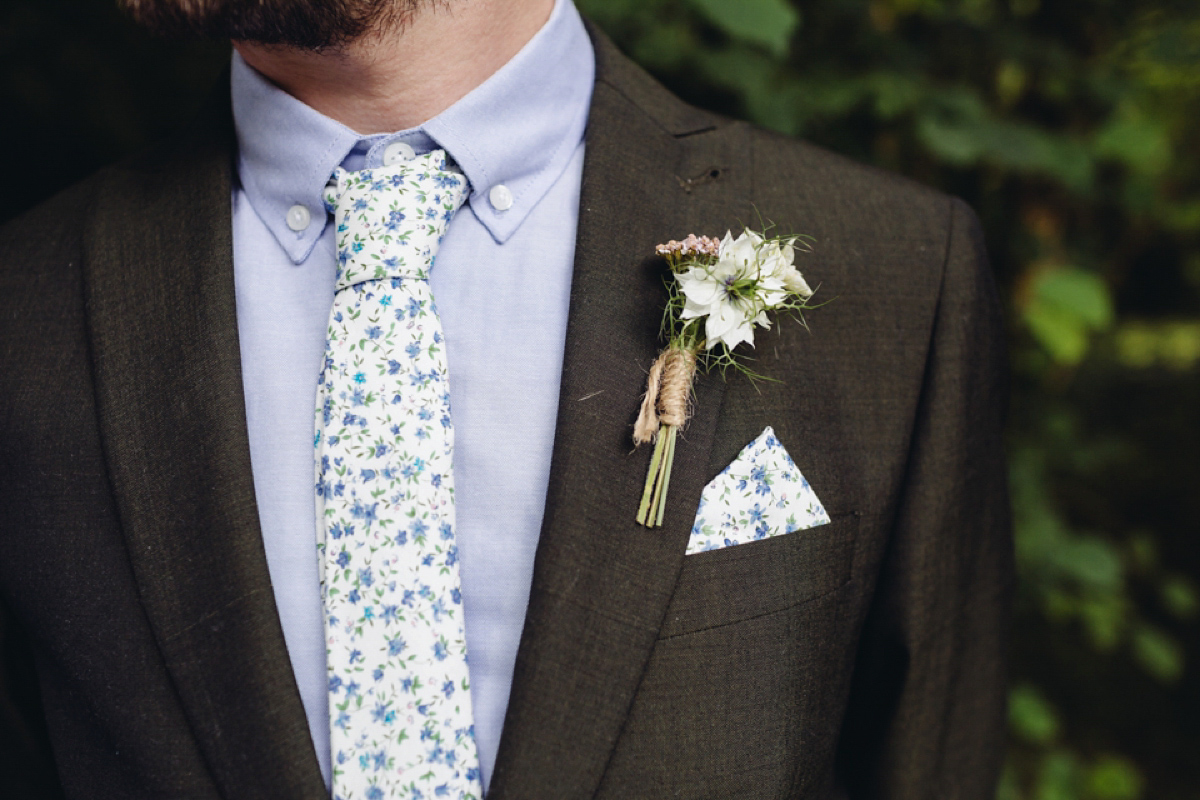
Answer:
(769, 23)
(1136, 140)
(1179, 596)
(1105, 619)
(951, 140)
(1058, 778)
(739, 68)
(1058, 331)
(1010, 784)
(894, 93)
(670, 47)
(1092, 562)
(1067, 305)
(1114, 778)
(1158, 653)
(958, 127)
(1027, 148)
(1080, 292)
(1030, 716)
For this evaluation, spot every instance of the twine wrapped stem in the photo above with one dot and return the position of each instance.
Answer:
(665, 409)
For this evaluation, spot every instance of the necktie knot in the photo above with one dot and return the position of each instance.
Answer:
(390, 220)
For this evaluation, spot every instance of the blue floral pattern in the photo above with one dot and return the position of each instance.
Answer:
(760, 494)
(399, 696)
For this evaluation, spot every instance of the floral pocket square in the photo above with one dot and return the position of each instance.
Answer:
(760, 494)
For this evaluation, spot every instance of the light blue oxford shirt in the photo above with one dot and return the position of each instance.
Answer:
(501, 281)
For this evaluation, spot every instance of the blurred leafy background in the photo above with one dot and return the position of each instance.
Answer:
(1073, 128)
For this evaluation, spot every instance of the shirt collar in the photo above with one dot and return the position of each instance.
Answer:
(519, 129)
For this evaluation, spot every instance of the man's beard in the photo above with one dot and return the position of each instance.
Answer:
(306, 24)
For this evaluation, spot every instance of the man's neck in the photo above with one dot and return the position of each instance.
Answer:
(395, 80)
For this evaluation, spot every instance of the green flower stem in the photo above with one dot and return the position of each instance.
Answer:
(668, 462)
(651, 481)
(658, 479)
(654, 518)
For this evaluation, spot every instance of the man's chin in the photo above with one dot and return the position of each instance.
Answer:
(303, 24)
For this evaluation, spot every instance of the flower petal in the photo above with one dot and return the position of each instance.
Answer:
(794, 282)
(693, 310)
(739, 334)
(730, 326)
(700, 287)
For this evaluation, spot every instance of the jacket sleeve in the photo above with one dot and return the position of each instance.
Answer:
(926, 711)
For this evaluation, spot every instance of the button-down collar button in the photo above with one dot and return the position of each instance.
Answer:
(396, 152)
(500, 197)
(298, 217)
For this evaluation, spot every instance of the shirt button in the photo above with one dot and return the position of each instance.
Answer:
(298, 217)
(500, 197)
(396, 152)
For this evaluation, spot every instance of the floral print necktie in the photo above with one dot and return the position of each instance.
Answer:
(399, 696)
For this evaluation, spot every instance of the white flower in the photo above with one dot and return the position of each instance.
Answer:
(777, 257)
(735, 293)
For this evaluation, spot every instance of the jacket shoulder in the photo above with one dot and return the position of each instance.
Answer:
(46, 234)
(869, 201)
(786, 173)
(56, 226)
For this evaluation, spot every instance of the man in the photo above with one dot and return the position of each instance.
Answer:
(164, 326)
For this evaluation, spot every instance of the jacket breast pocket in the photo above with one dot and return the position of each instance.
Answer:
(731, 584)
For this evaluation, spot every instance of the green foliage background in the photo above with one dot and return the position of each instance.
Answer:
(1071, 127)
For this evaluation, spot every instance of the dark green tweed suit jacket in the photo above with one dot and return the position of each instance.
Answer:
(143, 656)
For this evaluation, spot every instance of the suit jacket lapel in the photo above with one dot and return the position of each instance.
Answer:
(601, 582)
(160, 299)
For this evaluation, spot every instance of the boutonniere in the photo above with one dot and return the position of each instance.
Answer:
(719, 291)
